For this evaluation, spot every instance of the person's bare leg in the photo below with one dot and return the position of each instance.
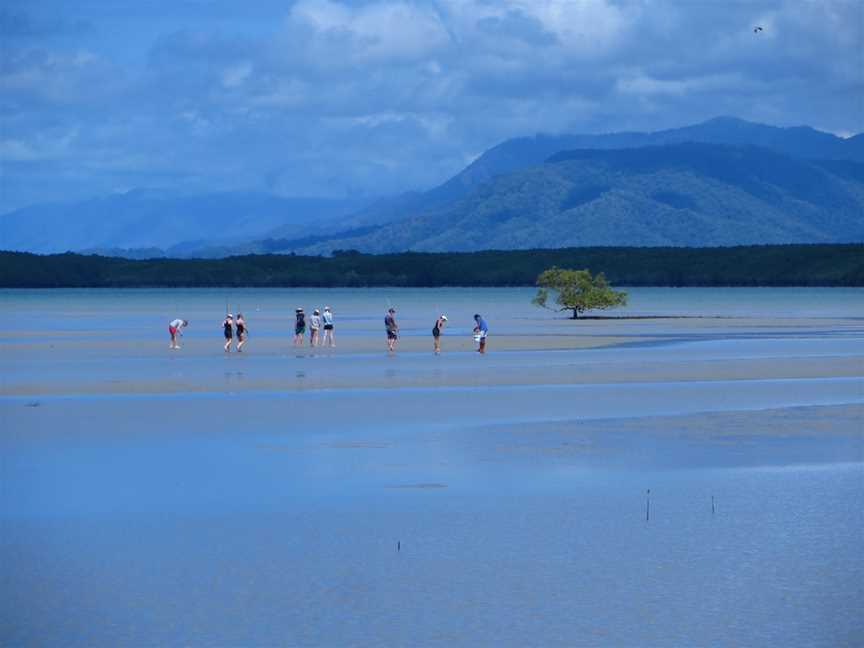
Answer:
(482, 345)
(228, 345)
(240, 342)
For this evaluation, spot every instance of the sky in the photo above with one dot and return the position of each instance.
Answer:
(339, 98)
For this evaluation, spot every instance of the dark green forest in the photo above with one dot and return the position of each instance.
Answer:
(770, 265)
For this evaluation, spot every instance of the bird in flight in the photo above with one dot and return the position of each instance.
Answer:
(757, 29)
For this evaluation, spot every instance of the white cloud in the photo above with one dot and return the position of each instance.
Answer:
(235, 75)
(39, 147)
(382, 96)
(641, 84)
(376, 32)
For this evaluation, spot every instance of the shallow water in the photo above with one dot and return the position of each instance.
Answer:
(197, 498)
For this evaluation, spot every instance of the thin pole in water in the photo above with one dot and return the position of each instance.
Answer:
(398, 546)
(648, 505)
(712, 505)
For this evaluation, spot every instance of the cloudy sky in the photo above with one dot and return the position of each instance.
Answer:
(371, 97)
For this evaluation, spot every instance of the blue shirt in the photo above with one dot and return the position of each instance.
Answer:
(481, 324)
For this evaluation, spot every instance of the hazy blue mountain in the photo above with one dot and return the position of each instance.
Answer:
(682, 195)
(151, 219)
(145, 223)
(525, 152)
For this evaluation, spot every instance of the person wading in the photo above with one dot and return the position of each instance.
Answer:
(392, 329)
(228, 331)
(327, 318)
(481, 330)
(242, 331)
(174, 329)
(436, 332)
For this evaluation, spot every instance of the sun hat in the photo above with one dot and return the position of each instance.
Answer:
(444, 317)
(316, 312)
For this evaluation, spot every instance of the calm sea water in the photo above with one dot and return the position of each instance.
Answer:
(259, 500)
(119, 308)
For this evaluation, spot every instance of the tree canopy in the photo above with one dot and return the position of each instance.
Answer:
(577, 290)
(766, 265)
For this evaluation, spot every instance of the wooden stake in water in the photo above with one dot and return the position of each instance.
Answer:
(648, 505)
(398, 545)
(712, 505)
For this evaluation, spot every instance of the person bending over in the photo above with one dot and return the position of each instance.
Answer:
(481, 330)
(174, 329)
(436, 332)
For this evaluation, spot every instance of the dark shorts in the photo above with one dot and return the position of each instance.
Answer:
(328, 327)
(436, 332)
(392, 335)
(299, 330)
(228, 336)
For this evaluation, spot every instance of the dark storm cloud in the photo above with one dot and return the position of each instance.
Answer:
(328, 98)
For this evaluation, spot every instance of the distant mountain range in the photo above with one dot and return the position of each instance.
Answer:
(679, 195)
(522, 152)
(156, 222)
(722, 182)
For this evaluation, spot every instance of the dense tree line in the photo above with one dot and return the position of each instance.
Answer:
(770, 265)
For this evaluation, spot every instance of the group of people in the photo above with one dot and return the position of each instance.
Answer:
(319, 321)
(228, 325)
(481, 330)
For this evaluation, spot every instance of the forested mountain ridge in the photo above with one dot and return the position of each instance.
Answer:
(678, 195)
(521, 152)
(524, 192)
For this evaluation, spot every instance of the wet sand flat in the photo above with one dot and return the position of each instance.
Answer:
(322, 497)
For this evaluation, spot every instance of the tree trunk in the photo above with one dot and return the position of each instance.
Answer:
(575, 313)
